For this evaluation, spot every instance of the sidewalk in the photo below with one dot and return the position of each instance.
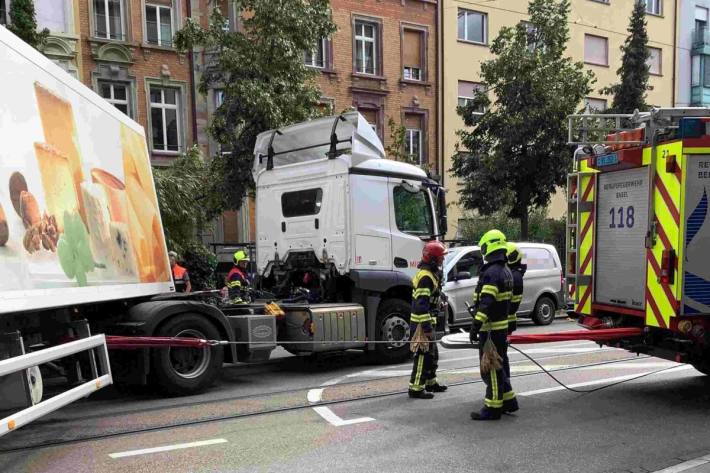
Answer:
(696, 465)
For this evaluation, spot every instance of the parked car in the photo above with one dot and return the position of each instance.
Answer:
(543, 294)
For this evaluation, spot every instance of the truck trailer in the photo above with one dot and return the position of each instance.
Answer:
(637, 234)
(83, 258)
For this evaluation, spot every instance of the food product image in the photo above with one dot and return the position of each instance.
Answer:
(135, 160)
(4, 228)
(17, 186)
(121, 250)
(97, 219)
(60, 132)
(115, 192)
(29, 209)
(59, 193)
(142, 244)
(43, 234)
(162, 269)
(74, 250)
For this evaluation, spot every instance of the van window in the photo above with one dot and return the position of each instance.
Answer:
(412, 212)
(538, 258)
(299, 203)
(471, 262)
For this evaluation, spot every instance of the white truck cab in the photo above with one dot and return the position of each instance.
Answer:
(338, 220)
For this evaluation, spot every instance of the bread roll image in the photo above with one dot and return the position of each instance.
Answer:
(98, 219)
(60, 132)
(59, 191)
(115, 192)
(135, 160)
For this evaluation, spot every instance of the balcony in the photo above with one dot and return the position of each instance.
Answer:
(701, 41)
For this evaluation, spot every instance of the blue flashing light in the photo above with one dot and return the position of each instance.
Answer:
(691, 128)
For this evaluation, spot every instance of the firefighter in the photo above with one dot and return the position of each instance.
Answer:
(517, 268)
(238, 283)
(425, 299)
(490, 318)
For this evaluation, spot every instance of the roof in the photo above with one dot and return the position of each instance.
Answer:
(391, 167)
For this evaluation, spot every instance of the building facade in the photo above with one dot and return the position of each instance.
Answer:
(597, 31)
(382, 61)
(693, 72)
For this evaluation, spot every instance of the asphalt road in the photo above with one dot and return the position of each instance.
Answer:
(342, 414)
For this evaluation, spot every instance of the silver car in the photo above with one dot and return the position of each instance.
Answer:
(543, 292)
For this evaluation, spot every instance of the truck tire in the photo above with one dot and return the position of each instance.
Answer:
(544, 312)
(183, 371)
(393, 326)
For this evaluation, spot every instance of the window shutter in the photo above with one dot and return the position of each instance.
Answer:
(412, 48)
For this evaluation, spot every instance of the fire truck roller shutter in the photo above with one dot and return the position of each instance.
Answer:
(622, 215)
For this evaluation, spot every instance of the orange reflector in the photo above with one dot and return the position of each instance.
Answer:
(11, 425)
(667, 267)
(684, 326)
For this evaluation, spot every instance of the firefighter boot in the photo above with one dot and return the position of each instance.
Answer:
(420, 394)
(436, 388)
(486, 414)
(510, 406)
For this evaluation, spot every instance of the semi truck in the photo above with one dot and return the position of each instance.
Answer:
(637, 230)
(83, 259)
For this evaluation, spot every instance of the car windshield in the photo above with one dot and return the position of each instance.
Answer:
(450, 255)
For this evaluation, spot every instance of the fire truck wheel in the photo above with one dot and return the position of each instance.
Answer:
(544, 312)
(393, 327)
(182, 371)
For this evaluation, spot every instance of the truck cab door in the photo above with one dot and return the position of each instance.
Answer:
(411, 222)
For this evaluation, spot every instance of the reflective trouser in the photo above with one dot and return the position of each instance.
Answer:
(498, 386)
(424, 369)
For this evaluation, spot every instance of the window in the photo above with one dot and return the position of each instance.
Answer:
(316, 57)
(471, 262)
(467, 92)
(412, 54)
(654, 61)
(413, 137)
(372, 117)
(695, 71)
(51, 14)
(596, 50)
(366, 37)
(165, 118)
(701, 25)
(108, 18)
(301, 203)
(472, 26)
(538, 258)
(595, 105)
(3, 12)
(117, 94)
(654, 7)
(159, 25)
(706, 71)
(412, 212)
(218, 98)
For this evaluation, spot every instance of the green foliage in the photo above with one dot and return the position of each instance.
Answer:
(189, 197)
(515, 155)
(73, 249)
(201, 264)
(23, 23)
(630, 93)
(542, 229)
(261, 69)
(395, 150)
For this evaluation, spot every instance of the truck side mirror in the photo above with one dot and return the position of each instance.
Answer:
(462, 276)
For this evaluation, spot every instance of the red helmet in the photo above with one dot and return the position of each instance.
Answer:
(433, 252)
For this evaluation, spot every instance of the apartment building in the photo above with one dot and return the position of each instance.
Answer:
(597, 30)
(693, 71)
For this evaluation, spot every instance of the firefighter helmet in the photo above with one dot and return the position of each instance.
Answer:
(240, 256)
(513, 253)
(491, 241)
(433, 252)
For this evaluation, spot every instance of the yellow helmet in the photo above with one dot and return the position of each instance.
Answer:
(240, 256)
(513, 253)
(491, 241)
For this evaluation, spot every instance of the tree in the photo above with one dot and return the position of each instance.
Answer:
(514, 155)
(262, 72)
(630, 93)
(189, 198)
(23, 23)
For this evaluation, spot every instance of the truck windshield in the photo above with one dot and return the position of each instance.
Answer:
(412, 212)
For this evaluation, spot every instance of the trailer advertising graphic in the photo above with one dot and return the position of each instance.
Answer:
(78, 207)
(696, 274)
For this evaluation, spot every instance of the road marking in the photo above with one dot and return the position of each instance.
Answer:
(687, 465)
(315, 395)
(166, 448)
(599, 381)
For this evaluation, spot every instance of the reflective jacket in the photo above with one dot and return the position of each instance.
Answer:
(425, 298)
(518, 271)
(237, 283)
(493, 293)
(180, 278)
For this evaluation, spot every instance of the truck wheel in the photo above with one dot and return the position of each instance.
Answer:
(393, 327)
(544, 312)
(181, 371)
